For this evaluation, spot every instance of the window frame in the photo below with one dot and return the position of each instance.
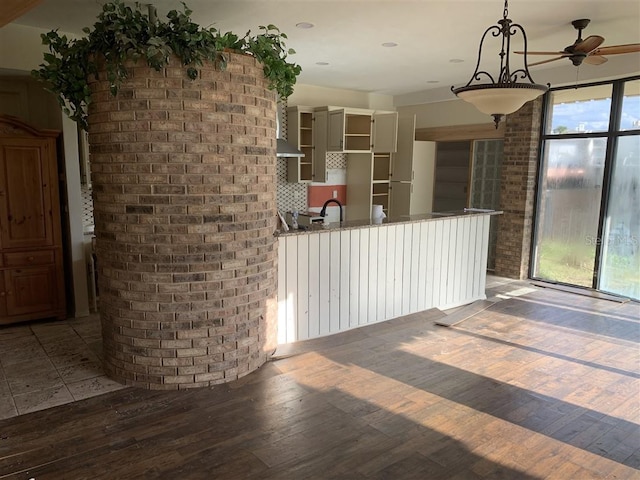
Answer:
(611, 135)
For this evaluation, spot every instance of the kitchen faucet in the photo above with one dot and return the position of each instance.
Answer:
(323, 212)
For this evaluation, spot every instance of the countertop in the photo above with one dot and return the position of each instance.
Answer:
(351, 224)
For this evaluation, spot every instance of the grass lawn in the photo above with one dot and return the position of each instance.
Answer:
(566, 263)
(574, 263)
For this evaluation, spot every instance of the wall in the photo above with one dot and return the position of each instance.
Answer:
(184, 192)
(20, 47)
(320, 96)
(517, 190)
(444, 114)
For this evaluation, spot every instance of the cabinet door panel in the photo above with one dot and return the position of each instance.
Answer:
(424, 162)
(400, 199)
(359, 186)
(31, 290)
(402, 168)
(385, 132)
(335, 131)
(320, 146)
(25, 194)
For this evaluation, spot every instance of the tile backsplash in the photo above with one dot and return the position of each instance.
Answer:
(87, 207)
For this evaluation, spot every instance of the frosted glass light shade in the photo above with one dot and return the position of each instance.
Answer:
(497, 99)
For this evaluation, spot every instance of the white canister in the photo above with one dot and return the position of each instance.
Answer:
(377, 213)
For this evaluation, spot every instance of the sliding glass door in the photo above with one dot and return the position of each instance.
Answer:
(569, 211)
(588, 210)
(620, 267)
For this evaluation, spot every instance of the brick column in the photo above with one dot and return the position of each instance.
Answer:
(517, 191)
(184, 192)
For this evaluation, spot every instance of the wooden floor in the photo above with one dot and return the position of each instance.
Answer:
(543, 384)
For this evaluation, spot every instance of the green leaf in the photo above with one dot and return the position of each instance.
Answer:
(122, 32)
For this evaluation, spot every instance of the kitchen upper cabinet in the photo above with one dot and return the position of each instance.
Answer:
(412, 172)
(31, 263)
(354, 131)
(349, 131)
(307, 130)
(300, 130)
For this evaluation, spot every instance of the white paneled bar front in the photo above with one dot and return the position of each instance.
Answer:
(334, 280)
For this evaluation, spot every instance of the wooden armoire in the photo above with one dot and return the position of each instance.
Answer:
(31, 259)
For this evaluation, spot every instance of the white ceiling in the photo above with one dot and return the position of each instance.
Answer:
(348, 35)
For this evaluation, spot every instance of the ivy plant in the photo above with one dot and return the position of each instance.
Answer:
(122, 33)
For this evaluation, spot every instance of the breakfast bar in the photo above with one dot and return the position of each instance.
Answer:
(343, 275)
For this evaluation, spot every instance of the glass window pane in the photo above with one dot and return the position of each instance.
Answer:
(569, 209)
(630, 118)
(485, 186)
(580, 110)
(620, 269)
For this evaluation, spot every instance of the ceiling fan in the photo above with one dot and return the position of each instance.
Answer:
(586, 50)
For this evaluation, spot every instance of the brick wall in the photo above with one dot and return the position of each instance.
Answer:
(517, 194)
(184, 194)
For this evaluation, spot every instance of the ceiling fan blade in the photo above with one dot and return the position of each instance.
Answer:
(541, 53)
(617, 49)
(547, 61)
(594, 60)
(588, 44)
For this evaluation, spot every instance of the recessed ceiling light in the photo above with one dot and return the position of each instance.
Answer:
(389, 44)
(456, 60)
(305, 25)
(322, 63)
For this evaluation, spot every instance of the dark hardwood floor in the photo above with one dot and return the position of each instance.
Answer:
(543, 384)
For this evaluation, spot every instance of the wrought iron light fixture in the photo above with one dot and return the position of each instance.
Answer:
(502, 95)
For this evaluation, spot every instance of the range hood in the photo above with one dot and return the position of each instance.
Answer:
(284, 149)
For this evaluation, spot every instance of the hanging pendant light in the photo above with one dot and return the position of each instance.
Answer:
(502, 95)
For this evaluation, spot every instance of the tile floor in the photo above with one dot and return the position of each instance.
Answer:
(49, 363)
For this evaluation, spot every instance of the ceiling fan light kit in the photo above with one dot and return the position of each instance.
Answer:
(504, 94)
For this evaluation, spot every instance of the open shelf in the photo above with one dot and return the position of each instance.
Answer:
(357, 124)
(381, 166)
(301, 134)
